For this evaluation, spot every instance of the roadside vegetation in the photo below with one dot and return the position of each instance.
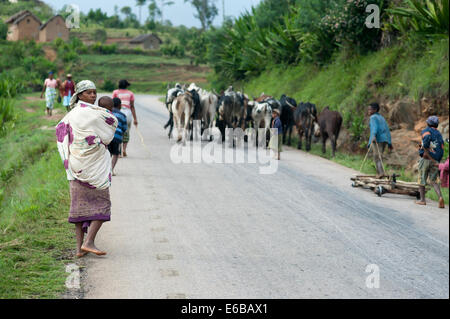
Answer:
(35, 239)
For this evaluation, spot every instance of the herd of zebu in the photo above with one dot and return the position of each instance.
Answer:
(233, 109)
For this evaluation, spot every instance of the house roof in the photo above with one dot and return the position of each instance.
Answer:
(20, 16)
(46, 23)
(143, 37)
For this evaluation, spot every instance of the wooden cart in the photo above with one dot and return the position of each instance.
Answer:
(386, 184)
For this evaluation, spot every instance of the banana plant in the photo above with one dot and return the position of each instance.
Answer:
(428, 17)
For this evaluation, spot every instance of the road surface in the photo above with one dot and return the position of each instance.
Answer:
(227, 231)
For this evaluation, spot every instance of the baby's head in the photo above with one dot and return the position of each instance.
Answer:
(106, 102)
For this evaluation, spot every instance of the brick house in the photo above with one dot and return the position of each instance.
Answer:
(147, 41)
(23, 26)
(54, 28)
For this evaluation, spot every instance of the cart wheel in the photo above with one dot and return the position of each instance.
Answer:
(417, 195)
(354, 185)
(379, 191)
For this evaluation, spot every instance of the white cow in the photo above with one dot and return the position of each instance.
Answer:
(183, 109)
(261, 115)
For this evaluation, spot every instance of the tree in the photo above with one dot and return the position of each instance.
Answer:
(140, 4)
(154, 11)
(206, 11)
(164, 3)
(126, 11)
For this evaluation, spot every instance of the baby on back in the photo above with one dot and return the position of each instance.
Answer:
(106, 102)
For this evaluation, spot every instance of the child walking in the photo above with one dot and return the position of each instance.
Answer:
(278, 137)
(114, 147)
(431, 153)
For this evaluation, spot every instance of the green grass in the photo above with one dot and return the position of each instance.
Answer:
(36, 241)
(352, 81)
(147, 74)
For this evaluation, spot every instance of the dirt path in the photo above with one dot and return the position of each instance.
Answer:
(225, 231)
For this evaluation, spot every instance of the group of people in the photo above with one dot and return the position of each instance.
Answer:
(90, 139)
(431, 152)
(55, 88)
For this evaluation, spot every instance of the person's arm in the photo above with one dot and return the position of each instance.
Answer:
(133, 111)
(124, 124)
(43, 89)
(373, 130)
(388, 133)
(426, 140)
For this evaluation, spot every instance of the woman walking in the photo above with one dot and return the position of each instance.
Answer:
(127, 98)
(49, 88)
(82, 137)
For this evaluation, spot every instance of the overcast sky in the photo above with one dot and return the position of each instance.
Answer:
(179, 14)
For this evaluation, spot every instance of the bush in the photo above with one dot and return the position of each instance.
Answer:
(173, 50)
(103, 48)
(78, 46)
(9, 87)
(3, 30)
(357, 127)
(108, 85)
(100, 35)
(7, 115)
(429, 19)
(347, 23)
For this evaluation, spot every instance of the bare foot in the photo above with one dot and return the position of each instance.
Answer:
(421, 203)
(90, 248)
(441, 203)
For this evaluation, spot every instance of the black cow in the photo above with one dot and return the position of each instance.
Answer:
(304, 117)
(329, 126)
(232, 112)
(288, 106)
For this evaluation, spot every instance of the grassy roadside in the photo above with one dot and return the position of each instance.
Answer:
(355, 161)
(35, 239)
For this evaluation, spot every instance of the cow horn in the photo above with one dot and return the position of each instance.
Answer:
(290, 104)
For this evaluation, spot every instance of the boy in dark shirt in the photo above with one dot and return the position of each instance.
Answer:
(279, 135)
(431, 151)
(114, 147)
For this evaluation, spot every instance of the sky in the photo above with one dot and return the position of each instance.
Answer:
(180, 13)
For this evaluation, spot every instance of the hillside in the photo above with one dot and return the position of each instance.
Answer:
(146, 73)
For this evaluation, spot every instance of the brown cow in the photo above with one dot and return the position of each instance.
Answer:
(328, 126)
(262, 98)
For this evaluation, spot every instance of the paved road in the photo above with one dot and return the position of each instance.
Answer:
(226, 231)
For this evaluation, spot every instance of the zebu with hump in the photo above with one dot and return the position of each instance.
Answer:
(170, 97)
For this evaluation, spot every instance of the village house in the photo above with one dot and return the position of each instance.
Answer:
(147, 41)
(54, 28)
(24, 25)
